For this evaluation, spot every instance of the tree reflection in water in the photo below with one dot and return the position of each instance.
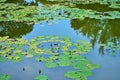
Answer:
(15, 29)
(99, 31)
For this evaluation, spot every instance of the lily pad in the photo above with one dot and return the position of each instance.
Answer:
(51, 65)
(5, 77)
(41, 77)
(2, 59)
(53, 50)
(78, 74)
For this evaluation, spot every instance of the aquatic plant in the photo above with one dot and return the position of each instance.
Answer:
(5, 77)
(11, 12)
(17, 13)
(53, 50)
(2, 59)
(110, 3)
(81, 65)
(14, 49)
(41, 77)
(1, 1)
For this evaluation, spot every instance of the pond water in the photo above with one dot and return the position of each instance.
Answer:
(94, 31)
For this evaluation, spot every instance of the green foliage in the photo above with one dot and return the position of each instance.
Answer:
(51, 65)
(110, 3)
(2, 59)
(54, 50)
(11, 12)
(1, 1)
(80, 75)
(41, 77)
(14, 49)
(5, 77)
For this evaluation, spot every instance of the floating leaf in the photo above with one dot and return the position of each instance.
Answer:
(40, 59)
(72, 74)
(41, 77)
(64, 63)
(2, 59)
(5, 77)
(53, 50)
(51, 65)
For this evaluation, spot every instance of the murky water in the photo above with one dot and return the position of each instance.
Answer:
(91, 30)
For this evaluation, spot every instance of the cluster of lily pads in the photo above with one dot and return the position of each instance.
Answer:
(14, 49)
(8, 77)
(12, 12)
(53, 50)
(110, 3)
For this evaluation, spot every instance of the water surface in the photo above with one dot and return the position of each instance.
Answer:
(94, 31)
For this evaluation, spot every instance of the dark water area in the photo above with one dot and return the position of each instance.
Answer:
(94, 31)
(97, 7)
(15, 29)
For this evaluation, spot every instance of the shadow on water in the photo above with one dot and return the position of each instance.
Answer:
(99, 31)
(15, 29)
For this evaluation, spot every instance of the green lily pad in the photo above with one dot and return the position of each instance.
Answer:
(51, 65)
(53, 50)
(40, 59)
(5, 77)
(2, 59)
(41, 77)
(72, 74)
(64, 63)
(78, 74)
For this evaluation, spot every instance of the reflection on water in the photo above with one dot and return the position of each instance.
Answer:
(99, 31)
(15, 29)
(97, 7)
